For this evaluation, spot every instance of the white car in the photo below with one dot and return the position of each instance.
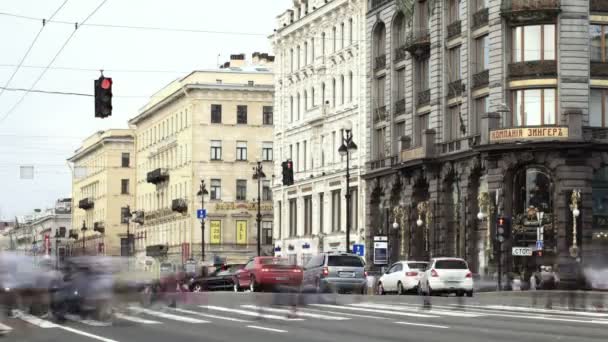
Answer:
(401, 277)
(447, 275)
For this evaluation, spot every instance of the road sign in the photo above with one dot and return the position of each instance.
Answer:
(539, 245)
(201, 213)
(359, 249)
(521, 251)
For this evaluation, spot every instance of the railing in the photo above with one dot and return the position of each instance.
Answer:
(418, 43)
(599, 6)
(380, 114)
(529, 5)
(524, 11)
(424, 97)
(86, 204)
(481, 79)
(455, 88)
(380, 63)
(400, 53)
(99, 227)
(454, 29)
(532, 69)
(378, 3)
(480, 18)
(179, 205)
(400, 107)
(157, 176)
(382, 163)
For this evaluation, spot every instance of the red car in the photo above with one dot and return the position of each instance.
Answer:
(264, 272)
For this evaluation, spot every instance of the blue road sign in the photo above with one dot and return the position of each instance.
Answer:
(539, 245)
(359, 249)
(201, 213)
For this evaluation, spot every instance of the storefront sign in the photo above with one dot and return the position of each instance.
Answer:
(521, 251)
(252, 206)
(241, 232)
(529, 133)
(215, 232)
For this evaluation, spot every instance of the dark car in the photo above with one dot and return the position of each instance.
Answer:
(339, 272)
(220, 279)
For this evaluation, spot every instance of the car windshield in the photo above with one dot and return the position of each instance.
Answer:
(451, 264)
(275, 261)
(417, 265)
(344, 260)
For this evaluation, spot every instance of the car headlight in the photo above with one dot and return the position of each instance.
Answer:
(7, 289)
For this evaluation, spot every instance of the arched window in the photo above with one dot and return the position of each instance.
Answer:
(350, 86)
(379, 41)
(298, 103)
(532, 189)
(312, 96)
(291, 109)
(342, 92)
(305, 100)
(323, 44)
(399, 31)
(350, 31)
(323, 94)
(333, 92)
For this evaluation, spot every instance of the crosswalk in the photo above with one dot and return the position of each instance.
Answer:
(261, 317)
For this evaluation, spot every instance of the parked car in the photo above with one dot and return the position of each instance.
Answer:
(340, 272)
(401, 277)
(266, 272)
(447, 275)
(220, 279)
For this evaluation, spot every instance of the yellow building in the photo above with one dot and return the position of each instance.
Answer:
(102, 183)
(211, 126)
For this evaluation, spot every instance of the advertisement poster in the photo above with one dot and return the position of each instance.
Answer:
(215, 232)
(241, 232)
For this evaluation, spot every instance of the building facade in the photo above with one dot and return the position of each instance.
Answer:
(320, 88)
(489, 108)
(211, 126)
(103, 183)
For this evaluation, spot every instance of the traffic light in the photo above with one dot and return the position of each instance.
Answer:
(503, 228)
(287, 173)
(103, 97)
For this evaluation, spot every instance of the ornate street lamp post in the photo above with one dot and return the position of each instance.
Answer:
(202, 192)
(259, 175)
(348, 146)
(83, 230)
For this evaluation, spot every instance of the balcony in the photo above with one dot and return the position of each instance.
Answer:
(380, 114)
(599, 70)
(533, 69)
(380, 63)
(530, 11)
(157, 176)
(99, 227)
(481, 79)
(73, 234)
(480, 18)
(382, 163)
(456, 88)
(424, 151)
(418, 44)
(179, 205)
(454, 29)
(400, 107)
(598, 6)
(423, 98)
(400, 54)
(86, 204)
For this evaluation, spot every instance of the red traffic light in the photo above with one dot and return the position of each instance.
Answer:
(501, 221)
(106, 83)
(289, 165)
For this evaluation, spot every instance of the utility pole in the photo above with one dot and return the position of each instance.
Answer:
(258, 175)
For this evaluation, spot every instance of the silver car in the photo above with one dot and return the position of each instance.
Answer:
(335, 272)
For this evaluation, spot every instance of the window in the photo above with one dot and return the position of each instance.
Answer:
(480, 109)
(124, 186)
(380, 89)
(305, 101)
(307, 215)
(350, 31)
(336, 213)
(354, 209)
(216, 189)
(312, 96)
(241, 150)
(481, 4)
(298, 104)
(125, 160)
(400, 83)
(451, 264)
(267, 151)
(297, 161)
(291, 59)
(423, 75)
(350, 86)
(482, 54)
(280, 206)
(342, 90)
(322, 94)
(379, 143)
(216, 150)
(344, 261)
(534, 43)
(291, 109)
(323, 44)
(534, 107)
(250, 83)
(241, 190)
(293, 217)
(304, 155)
(342, 35)
(321, 213)
(398, 133)
(453, 11)
(599, 43)
(267, 115)
(423, 124)
(298, 57)
(267, 233)
(454, 70)
(305, 53)
(453, 123)
(334, 37)
(312, 49)
(266, 191)
(216, 113)
(333, 92)
(241, 114)
(598, 113)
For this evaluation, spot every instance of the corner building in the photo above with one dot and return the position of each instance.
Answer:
(487, 108)
(320, 87)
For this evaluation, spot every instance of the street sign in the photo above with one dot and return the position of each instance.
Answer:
(359, 249)
(539, 245)
(201, 213)
(521, 251)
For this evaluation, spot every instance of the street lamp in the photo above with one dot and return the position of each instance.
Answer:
(57, 236)
(202, 192)
(348, 146)
(259, 175)
(575, 198)
(83, 230)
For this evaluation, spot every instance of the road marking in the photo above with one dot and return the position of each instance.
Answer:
(424, 325)
(296, 312)
(135, 319)
(168, 316)
(267, 329)
(211, 316)
(351, 308)
(247, 313)
(5, 329)
(79, 332)
(452, 313)
(36, 321)
(548, 311)
(343, 313)
(90, 322)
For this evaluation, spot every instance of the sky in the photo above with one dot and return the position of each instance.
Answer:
(43, 130)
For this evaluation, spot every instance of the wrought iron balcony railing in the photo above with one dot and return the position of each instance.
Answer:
(525, 11)
(380, 63)
(454, 29)
(418, 43)
(86, 203)
(481, 79)
(157, 176)
(480, 18)
(424, 97)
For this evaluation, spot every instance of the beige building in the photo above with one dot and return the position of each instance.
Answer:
(210, 126)
(102, 183)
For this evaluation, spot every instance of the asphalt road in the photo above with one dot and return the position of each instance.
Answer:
(253, 317)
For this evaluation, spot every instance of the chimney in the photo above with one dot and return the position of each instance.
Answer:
(237, 61)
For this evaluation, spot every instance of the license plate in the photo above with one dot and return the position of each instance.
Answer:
(347, 274)
(282, 278)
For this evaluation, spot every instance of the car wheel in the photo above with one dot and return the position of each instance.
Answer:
(400, 290)
(253, 287)
(469, 293)
(381, 289)
(197, 288)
